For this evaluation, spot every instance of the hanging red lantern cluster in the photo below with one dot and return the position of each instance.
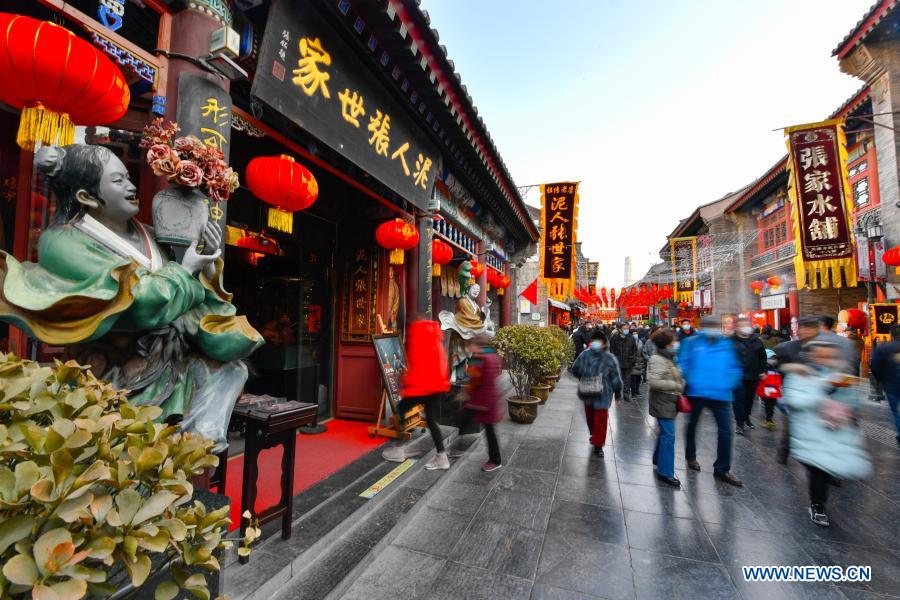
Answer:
(57, 80)
(441, 254)
(892, 258)
(397, 236)
(757, 287)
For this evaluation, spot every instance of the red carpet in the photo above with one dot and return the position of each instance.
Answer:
(318, 456)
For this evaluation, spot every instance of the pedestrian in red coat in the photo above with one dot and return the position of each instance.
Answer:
(483, 404)
(423, 382)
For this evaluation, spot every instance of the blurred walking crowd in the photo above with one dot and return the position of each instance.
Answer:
(808, 383)
(807, 386)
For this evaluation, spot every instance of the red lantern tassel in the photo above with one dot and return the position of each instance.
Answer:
(39, 124)
(436, 270)
(397, 256)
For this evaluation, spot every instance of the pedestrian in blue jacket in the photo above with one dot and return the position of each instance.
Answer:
(886, 369)
(711, 372)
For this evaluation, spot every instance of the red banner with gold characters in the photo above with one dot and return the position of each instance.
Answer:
(559, 231)
(684, 267)
(821, 205)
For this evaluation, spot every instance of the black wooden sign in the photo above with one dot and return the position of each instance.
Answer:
(308, 74)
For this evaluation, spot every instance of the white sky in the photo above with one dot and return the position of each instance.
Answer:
(656, 106)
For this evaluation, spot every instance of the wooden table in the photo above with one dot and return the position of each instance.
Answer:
(268, 426)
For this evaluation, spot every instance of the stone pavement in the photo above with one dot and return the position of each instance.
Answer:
(557, 523)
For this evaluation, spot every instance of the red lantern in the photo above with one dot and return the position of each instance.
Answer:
(774, 281)
(397, 236)
(892, 258)
(441, 254)
(853, 317)
(757, 287)
(57, 80)
(282, 182)
(477, 269)
(503, 282)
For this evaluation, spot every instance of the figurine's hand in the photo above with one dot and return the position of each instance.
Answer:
(194, 262)
(212, 237)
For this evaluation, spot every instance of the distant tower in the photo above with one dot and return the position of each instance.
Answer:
(628, 278)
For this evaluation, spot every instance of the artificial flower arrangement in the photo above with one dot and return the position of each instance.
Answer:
(188, 161)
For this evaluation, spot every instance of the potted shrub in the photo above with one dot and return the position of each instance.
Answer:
(96, 497)
(546, 362)
(519, 346)
(566, 355)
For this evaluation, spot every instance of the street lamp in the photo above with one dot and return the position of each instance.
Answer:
(874, 232)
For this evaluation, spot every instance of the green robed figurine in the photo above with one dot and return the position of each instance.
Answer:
(117, 299)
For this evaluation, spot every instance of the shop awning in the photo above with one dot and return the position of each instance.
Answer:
(558, 304)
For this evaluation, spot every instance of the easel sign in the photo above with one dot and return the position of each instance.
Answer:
(392, 361)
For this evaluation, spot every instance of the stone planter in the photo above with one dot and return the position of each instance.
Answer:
(523, 411)
(179, 215)
(541, 391)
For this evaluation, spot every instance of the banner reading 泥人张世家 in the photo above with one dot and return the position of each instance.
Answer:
(684, 267)
(559, 231)
(820, 205)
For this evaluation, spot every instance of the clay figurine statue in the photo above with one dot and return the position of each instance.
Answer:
(104, 288)
(468, 321)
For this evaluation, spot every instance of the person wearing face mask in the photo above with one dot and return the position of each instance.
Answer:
(599, 381)
(686, 330)
(711, 371)
(825, 435)
(752, 357)
(624, 347)
(666, 385)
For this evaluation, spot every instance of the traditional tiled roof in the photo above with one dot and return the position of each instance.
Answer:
(401, 41)
(751, 191)
(852, 103)
(705, 212)
(864, 27)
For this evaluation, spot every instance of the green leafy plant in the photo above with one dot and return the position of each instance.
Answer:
(567, 348)
(530, 352)
(90, 486)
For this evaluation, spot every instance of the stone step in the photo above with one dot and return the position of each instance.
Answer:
(335, 528)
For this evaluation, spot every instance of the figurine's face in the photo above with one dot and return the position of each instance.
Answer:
(118, 196)
(474, 290)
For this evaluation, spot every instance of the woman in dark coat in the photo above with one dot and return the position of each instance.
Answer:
(597, 362)
(666, 385)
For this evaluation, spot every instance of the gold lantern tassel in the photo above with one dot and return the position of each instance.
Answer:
(436, 270)
(397, 256)
(37, 124)
(499, 291)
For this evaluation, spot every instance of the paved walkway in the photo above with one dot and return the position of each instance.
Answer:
(558, 523)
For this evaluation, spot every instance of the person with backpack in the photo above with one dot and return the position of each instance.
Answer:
(599, 381)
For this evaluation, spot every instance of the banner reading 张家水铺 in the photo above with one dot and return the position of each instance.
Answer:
(820, 205)
(683, 252)
(559, 231)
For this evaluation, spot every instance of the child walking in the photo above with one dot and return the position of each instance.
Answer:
(483, 405)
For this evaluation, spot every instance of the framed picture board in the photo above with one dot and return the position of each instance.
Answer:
(392, 361)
